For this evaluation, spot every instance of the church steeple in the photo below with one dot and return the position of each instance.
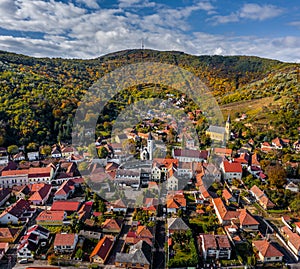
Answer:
(228, 127)
(150, 146)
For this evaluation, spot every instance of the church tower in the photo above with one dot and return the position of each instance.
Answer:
(150, 146)
(227, 128)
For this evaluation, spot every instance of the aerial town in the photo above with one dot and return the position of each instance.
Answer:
(134, 207)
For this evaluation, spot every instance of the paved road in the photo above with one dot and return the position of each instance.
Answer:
(160, 239)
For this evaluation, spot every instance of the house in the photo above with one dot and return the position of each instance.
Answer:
(12, 178)
(293, 240)
(4, 195)
(141, 232)
(40, 174)
(128, 177)
(29, 243)
(139, 256)
(228, 197)
(266, 147)
(65, 191)
(40, 231)
(280, 143)
(190, 155)
(172, 183)
(267, 252)
(243, 159)
(111, 226)
(231, 170)
(118, 206)
(241, 217)
(41, 192)
(33, 156)
(175, 202)
(51, 218)
(27, 248)
(150, 205)
(68, 206)
(21, 192)
(247, 221)
(209, 246)
(176, 225)
(13, 213)
(292, 187)
(65, 243)
(9, 235)
(3, 249)
(261, 197)
(102, 250)
(19, 156)
(56, 153)
(67, 152)
(222, 152)
(85, 211)
(215, 246)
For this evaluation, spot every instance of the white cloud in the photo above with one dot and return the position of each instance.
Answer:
(259, 12)
(249, 11)
(89, 3)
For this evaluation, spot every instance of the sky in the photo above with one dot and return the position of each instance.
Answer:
(91, 28)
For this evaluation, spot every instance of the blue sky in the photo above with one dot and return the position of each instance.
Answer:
(90, 28)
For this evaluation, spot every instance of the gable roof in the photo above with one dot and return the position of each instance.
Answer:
(102, 248)
(41, 192)
(267, 249)
(111, 224)
(246, 218)
(51, 216)
(257, 191)
(232, 167)
(138, 253)
(177, 224)
(8, 233)
(17, 209)
(64, 239)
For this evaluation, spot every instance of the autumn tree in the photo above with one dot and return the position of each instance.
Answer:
(276, 175)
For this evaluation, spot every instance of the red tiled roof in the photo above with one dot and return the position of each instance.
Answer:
(39, 172)
(65, 206)
(111, 224)
(267, 249)
(246, 218)
(51, 216)
(14, 172)
(64, 239)
(232, 167)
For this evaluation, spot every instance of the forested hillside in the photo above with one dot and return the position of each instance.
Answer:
(39, 96)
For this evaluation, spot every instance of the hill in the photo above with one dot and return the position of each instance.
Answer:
(39, 96)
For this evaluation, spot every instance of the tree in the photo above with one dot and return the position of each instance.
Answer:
(45, 150)
(13, 149)
(32, 146)
(79, 253)
(102, 152)
(276, 175)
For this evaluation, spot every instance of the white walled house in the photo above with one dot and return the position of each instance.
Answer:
(267, 252)
(231, 170)
(65, 243)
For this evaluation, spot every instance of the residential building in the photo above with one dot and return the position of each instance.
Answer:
(51, 218)
(40, 193)
(65, 243)
(215, 246)
(139, 256)
(293, 240)
(9, 235)
(111, 226)
(189, 155)
(13, 213)
(102, 250)
(231, 170)
(176, 225)
(267, 252)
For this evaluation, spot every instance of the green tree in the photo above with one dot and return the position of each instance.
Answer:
(102, 152)
(12, 149)
(45, 150)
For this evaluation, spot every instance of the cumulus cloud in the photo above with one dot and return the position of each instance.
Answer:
(249, 11)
